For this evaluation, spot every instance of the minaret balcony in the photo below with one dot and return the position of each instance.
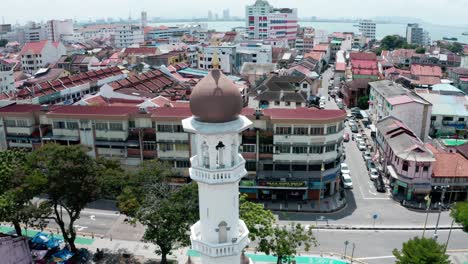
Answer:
(231, 248)
(219, 175)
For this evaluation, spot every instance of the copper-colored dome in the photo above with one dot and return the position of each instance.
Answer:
(215, 99)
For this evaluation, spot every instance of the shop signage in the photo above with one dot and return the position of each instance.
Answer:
(282, 184)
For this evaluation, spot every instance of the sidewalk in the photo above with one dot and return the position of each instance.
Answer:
(326, 205)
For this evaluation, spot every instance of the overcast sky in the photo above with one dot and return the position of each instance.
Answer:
(449, 12)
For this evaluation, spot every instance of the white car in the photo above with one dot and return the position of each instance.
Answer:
(358, 137)
(347, 182)
(367, 156)
(323, 99)
(322, 105)
(373, 174)
(345, 169)
(351, 122)
(362, 146)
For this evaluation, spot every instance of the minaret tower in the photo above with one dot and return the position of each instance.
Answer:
(217, 167)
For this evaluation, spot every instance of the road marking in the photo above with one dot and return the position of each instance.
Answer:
(373, 193)
(93, 217)
(79, 228)
(379, 257)
(99, 213)
(377, 198)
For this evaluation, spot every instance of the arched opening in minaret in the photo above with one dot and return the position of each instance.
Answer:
(220, 155)
(206, 155)
(222, 232)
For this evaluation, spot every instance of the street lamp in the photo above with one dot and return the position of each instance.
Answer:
(345, 248)
(444, 188)
(352, 253)
(450, 232)
(321, 179)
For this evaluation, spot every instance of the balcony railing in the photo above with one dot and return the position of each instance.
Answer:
(233, 247)
(454, 123)
(217, 176)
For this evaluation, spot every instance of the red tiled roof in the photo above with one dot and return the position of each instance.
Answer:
(79, 110)
(448, 164)
(425, 70)
(340, 66)
(179, 112)
(321, 47)
(314, 55)
(20, 108)
(140, 51)
(304, 113)
(33, 47)
(370, 56)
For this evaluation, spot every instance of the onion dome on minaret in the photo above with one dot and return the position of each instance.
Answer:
(216, 99)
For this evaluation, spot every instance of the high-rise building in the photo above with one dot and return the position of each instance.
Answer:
(414, 34)
(144, 19)
(266, 22)
(56, 29)
(226, 14)
(126, 35)
(217, 167)
(367, 28)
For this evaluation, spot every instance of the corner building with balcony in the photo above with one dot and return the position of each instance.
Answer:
(217, 167)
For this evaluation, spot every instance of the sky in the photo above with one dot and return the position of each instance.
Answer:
(443, 12)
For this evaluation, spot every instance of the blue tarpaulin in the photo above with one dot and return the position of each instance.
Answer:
(62, 256)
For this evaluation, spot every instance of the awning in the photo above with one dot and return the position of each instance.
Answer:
(422, 187)
(392, 172)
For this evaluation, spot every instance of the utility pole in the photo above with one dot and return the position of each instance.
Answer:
(440, 211)
(448, 238)
(345, 248)
(428, 205)
(352, 253)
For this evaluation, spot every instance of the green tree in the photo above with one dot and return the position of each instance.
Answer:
(392, 42)
(286, 240)
(113, 179)
(3, 42)
(18, 187)
(167, 212)
(460, 214)
(420, 50)
(363, 102)
(421, 251)
(258, 220)
(72, 183)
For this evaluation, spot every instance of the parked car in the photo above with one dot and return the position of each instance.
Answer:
(345, 169)
(347, 182)
(367, 155)
(346, 137)
(322, 105)
(370, 165)
(358, 137)
(354, 128)
(362, 146)
(352, 123)
(379, 184)
(373, 174)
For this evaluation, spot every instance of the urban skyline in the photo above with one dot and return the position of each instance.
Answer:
(126, 8)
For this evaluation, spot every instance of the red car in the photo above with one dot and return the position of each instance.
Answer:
(346, 137)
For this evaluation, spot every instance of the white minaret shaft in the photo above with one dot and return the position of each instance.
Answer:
(219, 235)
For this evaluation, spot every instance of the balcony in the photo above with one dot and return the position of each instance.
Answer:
(308, 138)
(164, 136)
(234, 247)
(217, 176)
(327, 156)
(20, 130)
(456, 124)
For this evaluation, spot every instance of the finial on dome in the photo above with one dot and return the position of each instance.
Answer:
(215, 60)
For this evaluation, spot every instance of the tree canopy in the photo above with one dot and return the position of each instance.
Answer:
(460, 214)
(392, 42)
(72, 182)
(3, 42)
(363, 102)
(421, 251)
(18, 187)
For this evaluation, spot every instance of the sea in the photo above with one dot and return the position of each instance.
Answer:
(436, 32)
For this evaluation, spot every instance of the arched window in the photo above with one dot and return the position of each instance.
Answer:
(206, 155)
(220, 155)
(222, 232)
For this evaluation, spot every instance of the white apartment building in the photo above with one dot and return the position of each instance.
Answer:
(127, 35)
(391, 99)
(56, 29)
(266, 22)
(34, 32)
(256, 53)
(7, 81)
(367, 28)
(226, 56)
(36, 55)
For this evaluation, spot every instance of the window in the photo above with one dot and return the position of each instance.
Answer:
(59, 124)
(299, 150)
(101, 126)
(164, 128)
(166, 146)
(181, 147)
(405, 166)
(283, 130)
(300, 131)
(304, 85)
(287, 103)
(417, 168)
(131, 124)
(447, 118)
(461, 119)
(331, 130)
(10, 123)
(182, 163)
(316, 130)
(248, 148)
(433, 118)
(277, 103)
(178, 128)
(115, 126)
(425, 168)
(149, 146)
(316, 149)
(283, 149)
(266, 148)
(330, 148)
(72, 125)
(153, 124)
